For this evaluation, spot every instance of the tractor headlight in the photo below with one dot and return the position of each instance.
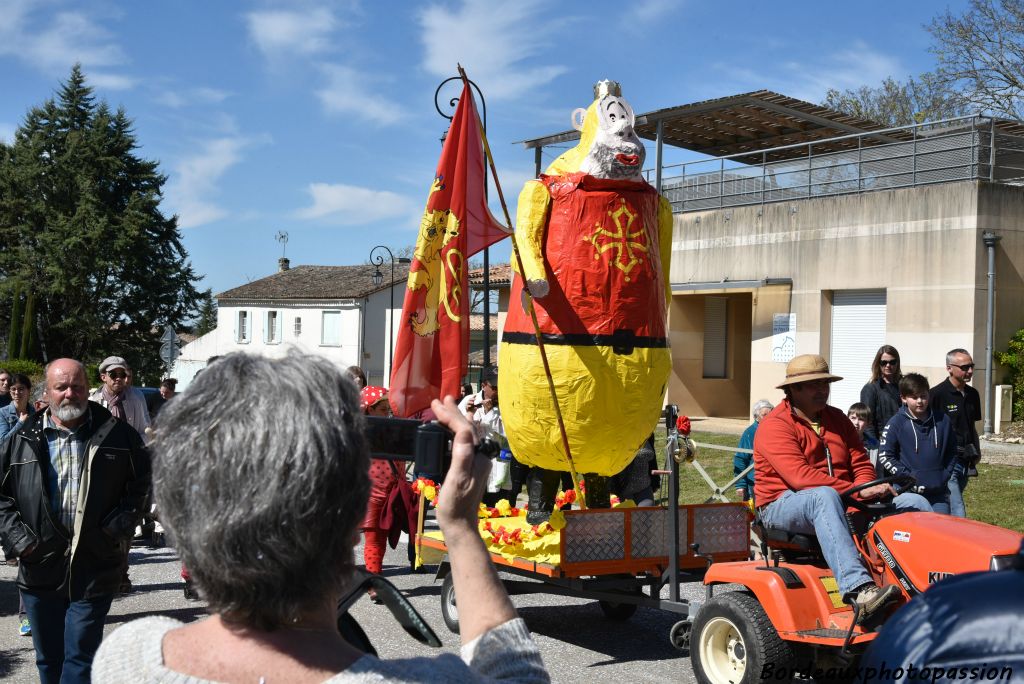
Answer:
(1006, 562)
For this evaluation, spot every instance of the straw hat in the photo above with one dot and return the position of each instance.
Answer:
(805, 368)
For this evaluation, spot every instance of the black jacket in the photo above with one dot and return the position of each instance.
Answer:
(968, 625)
(964, 410)
(883, 398)
(85, 561)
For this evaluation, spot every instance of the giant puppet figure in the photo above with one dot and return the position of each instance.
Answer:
(595, 240)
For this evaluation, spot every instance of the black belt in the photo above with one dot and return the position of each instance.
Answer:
(621, 341)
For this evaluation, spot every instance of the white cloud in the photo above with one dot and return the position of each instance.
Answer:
(282, 32)
(353, 205)
(852, 67)
(193, 185)
(347, 93)
(7, 132)
(177, 99)
(108, 81)
(53, 45)
(494, 42)
(648, 11)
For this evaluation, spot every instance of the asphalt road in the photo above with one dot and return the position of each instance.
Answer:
(578, 642)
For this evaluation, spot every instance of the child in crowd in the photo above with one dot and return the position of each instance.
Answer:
(920, 442)
(860, 415)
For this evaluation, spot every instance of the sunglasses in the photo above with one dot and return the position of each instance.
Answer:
(116, 375)
(966, 367)
(412, 622)
(892, 362)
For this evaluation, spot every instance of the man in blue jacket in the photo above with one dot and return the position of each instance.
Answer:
(919, 442)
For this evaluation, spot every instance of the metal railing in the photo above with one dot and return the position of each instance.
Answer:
(945, 151)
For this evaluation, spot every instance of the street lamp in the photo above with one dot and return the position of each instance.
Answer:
(378, 280)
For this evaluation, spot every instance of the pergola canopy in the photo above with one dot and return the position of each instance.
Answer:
(749, 123)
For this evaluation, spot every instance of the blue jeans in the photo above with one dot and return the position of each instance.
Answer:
(66, 634)
(957, 485)
(820, 511)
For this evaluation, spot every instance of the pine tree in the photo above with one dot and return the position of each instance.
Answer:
(207, 314)
(80, 213)
(29, 340)
(14, 338)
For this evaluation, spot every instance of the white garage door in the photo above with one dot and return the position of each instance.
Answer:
(858, 330)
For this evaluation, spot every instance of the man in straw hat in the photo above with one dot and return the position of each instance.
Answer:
(805, 453)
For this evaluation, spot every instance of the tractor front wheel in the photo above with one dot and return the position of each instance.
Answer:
(733, 642)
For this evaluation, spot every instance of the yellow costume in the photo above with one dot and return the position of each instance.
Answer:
(595, 240)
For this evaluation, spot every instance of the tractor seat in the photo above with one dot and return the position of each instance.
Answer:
(784, 539)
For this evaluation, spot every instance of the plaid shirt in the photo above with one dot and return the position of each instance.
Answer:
(67, 457)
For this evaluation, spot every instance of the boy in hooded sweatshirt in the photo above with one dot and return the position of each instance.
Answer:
(920, 442)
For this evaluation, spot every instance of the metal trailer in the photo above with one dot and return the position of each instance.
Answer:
(624, 557)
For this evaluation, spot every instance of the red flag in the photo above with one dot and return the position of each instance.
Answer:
(433, 337)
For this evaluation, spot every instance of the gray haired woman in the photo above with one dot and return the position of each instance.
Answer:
(742, 460)
(261, 477)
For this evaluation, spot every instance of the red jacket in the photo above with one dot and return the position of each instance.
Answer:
(789, 454)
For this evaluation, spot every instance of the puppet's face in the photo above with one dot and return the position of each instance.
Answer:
(617, 151)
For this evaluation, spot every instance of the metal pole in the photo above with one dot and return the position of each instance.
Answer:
(658, 160)
(992, 150)
(990, 240)
(378, 261)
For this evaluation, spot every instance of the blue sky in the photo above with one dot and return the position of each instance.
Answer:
(318, 119)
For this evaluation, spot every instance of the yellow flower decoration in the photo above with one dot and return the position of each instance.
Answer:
(430, 493)
(557, 520)
(503, 508)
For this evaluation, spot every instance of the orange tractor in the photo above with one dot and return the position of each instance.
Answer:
(789, 617)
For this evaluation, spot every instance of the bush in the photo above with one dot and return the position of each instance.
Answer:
(30, 368)
(1013, 360)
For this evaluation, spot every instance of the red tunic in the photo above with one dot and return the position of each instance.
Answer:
(604, 265)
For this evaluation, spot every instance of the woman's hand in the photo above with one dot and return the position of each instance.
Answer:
(466, 479)
(482, 599)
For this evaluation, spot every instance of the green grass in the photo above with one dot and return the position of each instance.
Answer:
(993, 497)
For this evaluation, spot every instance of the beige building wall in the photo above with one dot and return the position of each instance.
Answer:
(921, 245)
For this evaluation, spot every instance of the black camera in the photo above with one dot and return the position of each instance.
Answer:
(428, 445)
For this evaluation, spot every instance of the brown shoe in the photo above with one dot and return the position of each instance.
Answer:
(873, 598)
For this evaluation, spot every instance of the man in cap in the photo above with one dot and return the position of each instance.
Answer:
(119, 397)
(805, 453)
(73, 484)
(126, 403)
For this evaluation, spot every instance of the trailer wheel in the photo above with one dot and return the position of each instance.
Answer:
(617, 611)
(679, 635)
(733, 640)
(449, 612)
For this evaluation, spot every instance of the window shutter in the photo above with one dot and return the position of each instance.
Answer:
(858, 330)
(716, 325)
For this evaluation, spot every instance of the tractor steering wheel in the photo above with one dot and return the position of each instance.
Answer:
(874, 507)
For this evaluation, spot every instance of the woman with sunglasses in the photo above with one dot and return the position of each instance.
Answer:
(20, 407)
(882, 394)
(261, 475)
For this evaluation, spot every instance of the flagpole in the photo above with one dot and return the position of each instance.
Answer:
(533, 317)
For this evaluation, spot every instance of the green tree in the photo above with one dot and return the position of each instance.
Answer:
(29, 340)
(207, 320)
(14, 337)
(901, 103)
(82, 228)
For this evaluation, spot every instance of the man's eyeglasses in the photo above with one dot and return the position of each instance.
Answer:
(117, 375)
(965, 367)
(888, 362)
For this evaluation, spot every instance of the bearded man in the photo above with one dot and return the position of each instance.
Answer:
(74, 485)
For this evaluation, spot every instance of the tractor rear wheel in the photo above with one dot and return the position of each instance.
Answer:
(734, 642)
